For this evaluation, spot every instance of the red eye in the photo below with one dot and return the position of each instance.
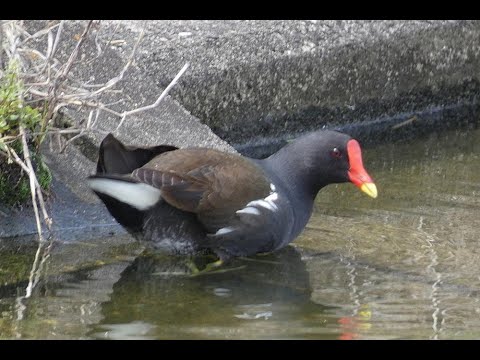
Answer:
(336, 153)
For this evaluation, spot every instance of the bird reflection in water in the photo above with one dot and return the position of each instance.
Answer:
(159, 291)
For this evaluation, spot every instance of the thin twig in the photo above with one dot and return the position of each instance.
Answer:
(1, 45)
(28, 290)
(31, 175)
(35, 191)
(405, 122)
(62, 76)
(60, 95)
(70, 131)
(45, 256)
(116, 79)
(81, 132)
(74, 54)
(26, 165)
(34, 180)
(57, 39)
(160, 98)
(41, 32)
(48, 81)
(69, 141)
(97, 114)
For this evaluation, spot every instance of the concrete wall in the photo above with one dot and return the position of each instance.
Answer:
(254, 79)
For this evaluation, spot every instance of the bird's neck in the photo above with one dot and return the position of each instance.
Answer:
(296, 185)
(295, 174)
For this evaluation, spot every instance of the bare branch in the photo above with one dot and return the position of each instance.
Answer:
(57, 39)
(116, 79)
(44, 95)
(74, 54)
(1, 44)
(160, 98)
(40, 33)
(54, 90)
(89, 121)
(82, 133)
(100, 52)
(49, 43)
(6, 22)
(97, 113)
(51, 82)
(62, 76)
(28, 168)
(17, 159)
(28, 290)
(36, 193)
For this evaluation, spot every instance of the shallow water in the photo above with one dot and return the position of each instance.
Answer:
(404, 265)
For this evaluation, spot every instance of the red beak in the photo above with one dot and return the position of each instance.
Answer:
(357, 173)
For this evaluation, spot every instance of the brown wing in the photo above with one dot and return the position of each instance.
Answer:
(207, 182)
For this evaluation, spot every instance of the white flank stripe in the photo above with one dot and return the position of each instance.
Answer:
(224, 230)
(272, 197)
(265, 204)
(140, 196)
(249, 210)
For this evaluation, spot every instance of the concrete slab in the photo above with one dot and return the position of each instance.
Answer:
(251, 80)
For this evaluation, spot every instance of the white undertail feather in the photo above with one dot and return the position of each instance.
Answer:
(139, 195)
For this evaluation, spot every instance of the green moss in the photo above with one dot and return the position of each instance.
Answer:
(14, 183)
(13, 111)
(23, 190)
(44, 175)
(13, 192)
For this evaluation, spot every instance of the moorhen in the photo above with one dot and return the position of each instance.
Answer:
(199, 199)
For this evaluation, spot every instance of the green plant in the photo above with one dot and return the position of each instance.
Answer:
(15, 114)
(13, 111)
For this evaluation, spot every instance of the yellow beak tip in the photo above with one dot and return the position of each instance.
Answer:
(370, 189)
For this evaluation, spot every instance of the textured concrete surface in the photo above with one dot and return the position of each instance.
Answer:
(262, 79)
(73, 218)
(250, 80)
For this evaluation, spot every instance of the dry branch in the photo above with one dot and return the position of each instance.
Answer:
(160, 98)
(50, 81)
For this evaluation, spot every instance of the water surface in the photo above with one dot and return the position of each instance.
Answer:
(404, 265)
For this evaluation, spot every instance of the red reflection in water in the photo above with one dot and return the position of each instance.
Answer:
(350, 326)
